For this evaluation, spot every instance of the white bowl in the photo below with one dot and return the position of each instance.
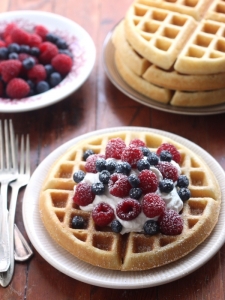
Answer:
(80, 44)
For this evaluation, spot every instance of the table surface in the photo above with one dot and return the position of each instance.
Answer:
(96, 105)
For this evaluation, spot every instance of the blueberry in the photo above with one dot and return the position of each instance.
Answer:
(31, 84)
(145, 151)
(184, 194)
(28, 63)
(104, 176)
(34, 51)
(78, 222)
(143, 164)
(123, 167)
(42, 86)
(55, 78)
(166, 185)
(66, 52)
(49, 69)
(3, 53)
(111, 165)
(153, 159)
(116, 226)
(100, 164)
(98, 188)
(14, 47)
(182, 181)
(151, 227)
(87, 153)
(25, 49)
(135, 193)
(31, 93)
(78, 176)
(61, 44)
(51, 37)
(13, 55)
(134, 180)
(166, 156)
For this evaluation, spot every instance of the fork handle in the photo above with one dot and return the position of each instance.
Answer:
(6, 277)
(4, 233)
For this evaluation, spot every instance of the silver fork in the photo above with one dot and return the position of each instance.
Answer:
(8, 173)
(22, 180)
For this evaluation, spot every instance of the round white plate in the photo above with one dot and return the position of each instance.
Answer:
(117, 80)
(80, 44)
(75, 268)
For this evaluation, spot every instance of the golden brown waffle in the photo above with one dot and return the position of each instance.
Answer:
(166, 86)
(166, 38)
(168, 79)
(135, 251)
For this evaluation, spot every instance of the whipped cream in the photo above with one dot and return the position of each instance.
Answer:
(171, 199)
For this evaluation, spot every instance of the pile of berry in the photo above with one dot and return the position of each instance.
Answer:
(137, 189)
(31, 62)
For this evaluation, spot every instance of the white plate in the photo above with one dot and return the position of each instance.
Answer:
(80, 44)
(75, 268)
(117, 80)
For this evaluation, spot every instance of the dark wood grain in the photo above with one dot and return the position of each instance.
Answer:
(96, 105)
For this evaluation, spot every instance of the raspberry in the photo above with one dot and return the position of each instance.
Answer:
(172, 149)
(153, 205)
(41, 31)
(132, 155)
(37, 73)
(10, 69)
(8, 40)
(114, 148)
(119, 185)
(17, 88)
(168, 170)
(171, 223)
(83, 194)
(20, 36)
(62, 63)
(2, 44)
(148, 181)
(128, 209)
(102, 214)
(34, 40)
(137, 143)
(90, 165)
(47, 52)
(23, 56)
(8, 30)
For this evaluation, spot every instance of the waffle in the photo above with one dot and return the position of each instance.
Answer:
(168, 79)
(167, 38)
(132, 251)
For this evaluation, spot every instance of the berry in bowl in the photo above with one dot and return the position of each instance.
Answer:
(44, 58)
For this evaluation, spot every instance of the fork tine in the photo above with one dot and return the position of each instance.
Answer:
(7, 155)
(12, 144)
(27, 170)
(22, 155)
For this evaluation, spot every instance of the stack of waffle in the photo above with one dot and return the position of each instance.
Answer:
(174, 51)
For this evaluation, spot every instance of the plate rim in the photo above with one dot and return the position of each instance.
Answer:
(125, 278)
(89, 47)
(116, 79)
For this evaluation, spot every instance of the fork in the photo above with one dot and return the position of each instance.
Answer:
(8, 173)
(22, 180)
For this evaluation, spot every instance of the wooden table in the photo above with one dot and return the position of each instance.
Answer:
(96, 105)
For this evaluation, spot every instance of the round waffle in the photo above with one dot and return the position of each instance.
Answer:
(133, 251)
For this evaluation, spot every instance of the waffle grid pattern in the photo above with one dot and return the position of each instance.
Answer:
(134, 251)
(171, 33)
